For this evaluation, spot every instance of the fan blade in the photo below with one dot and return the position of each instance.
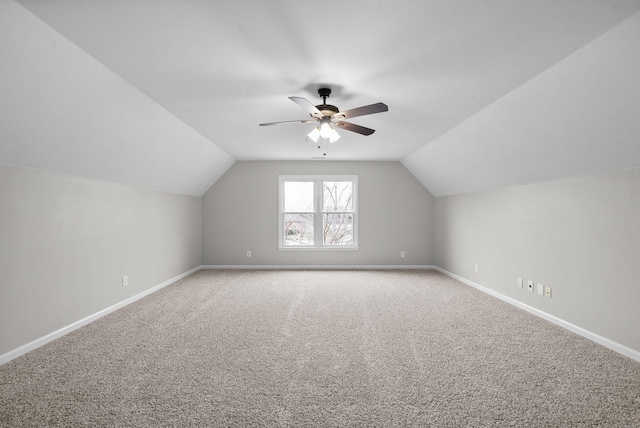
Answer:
(361, 111)
(354, 128)
(307, 106)
(289, 121)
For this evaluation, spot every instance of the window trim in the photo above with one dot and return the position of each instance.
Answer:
(317, 179)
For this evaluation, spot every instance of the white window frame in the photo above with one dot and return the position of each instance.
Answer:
(317, 180)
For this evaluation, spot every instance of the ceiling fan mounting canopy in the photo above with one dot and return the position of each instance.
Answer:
(324, 92)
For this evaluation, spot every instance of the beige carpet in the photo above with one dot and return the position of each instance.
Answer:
(320, 349)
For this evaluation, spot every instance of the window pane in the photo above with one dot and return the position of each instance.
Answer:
(337, 229)
(298, 229)
(317, 211)
(298, 196)
(337, 196)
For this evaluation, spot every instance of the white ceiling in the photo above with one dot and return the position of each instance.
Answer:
(168, 94)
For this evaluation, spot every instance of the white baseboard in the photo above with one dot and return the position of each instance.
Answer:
(608, 343)
(318, 267)
(5, 358)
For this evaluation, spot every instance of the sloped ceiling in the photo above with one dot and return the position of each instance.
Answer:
(579, 117)
(168, 94)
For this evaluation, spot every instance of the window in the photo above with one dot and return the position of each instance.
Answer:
(318, 212)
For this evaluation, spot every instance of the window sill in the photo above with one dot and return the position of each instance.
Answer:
(326, 248)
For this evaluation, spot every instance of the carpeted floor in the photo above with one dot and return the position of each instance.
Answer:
(320, 349)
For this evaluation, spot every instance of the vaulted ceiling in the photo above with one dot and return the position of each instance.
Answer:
(169, 94)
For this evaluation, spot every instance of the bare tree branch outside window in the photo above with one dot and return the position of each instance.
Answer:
(337, 222)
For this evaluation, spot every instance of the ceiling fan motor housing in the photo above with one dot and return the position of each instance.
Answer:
(327, 110)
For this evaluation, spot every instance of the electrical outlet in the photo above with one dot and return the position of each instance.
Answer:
(547, 292)
(520, 282)
(530, 286)
(540, 289)
(401, 253)
(125, 281)
(476, 268)
(248, 253)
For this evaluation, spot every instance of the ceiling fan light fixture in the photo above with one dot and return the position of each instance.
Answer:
(324, 131)
(334, 136)
(314, 135)
(325, 128)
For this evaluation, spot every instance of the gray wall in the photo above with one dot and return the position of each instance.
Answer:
(240, 213)
(66, 242)
(579, 236)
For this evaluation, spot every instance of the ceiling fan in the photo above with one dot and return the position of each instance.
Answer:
(329, 117)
